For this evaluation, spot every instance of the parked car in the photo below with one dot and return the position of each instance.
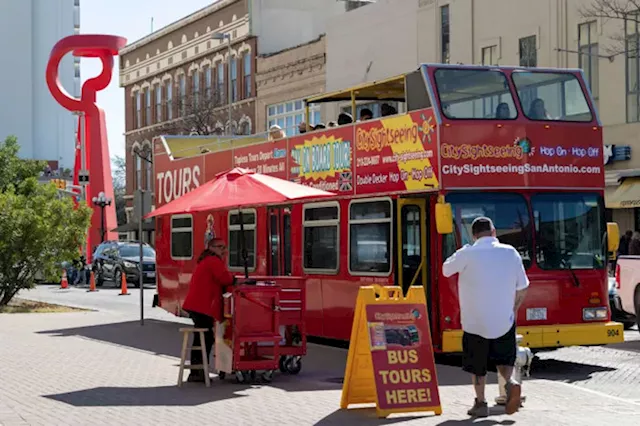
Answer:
(113, 258)
(627, 287)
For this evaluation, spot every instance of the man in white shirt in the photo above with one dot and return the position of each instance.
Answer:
(492, 284)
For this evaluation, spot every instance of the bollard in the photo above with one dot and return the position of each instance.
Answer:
(92, 283)
(64, 284)
(123, 285)
(524, 357)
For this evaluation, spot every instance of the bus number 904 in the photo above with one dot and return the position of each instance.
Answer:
(613, 333)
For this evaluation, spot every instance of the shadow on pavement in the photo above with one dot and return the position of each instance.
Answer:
(483, 422)
(191, 394)
(361, 416)
(565, 371)
(159, 337)
(629, 345)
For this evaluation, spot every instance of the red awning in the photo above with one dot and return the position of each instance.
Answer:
(238, 188)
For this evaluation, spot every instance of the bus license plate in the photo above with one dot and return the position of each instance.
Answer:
(536, 314)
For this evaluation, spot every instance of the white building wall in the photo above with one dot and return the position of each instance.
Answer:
(281, 24)
(28, 31)
(376, 41)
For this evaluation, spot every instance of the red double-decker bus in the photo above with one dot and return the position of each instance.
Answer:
(521, 146)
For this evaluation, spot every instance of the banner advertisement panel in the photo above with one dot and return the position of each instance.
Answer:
(545, 155)
(269, 158)
(323, 160)
(398, 153)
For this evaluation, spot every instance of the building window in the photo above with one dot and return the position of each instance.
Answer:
(183, 93)
(233, 71)
(246, 61)
(320, 225)
(235, 241)
(148, 167)
(289, 115)
(138, 109)
(182, 237)
(528, 52)
(444, 35)
(76, 67)
(220, 88)
(370, 237)
(158, 103)
(490, 55)
(588, 57)
(195, 81)
(169, 88)
(207, 83)
(147, 104)
(633, 67)
(138, 171)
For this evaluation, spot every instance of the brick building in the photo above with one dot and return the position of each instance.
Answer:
(178, 79)
(284, 79)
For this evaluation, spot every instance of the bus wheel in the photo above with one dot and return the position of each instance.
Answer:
(282, 363)
(293, 365)
(267, 376)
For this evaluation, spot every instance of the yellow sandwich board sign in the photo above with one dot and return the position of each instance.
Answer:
(391, 361)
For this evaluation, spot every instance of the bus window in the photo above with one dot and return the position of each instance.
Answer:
(370, 237)
(551, 96)
(509, 213)
(474, 94)
(235, 247)
(181, 237)
(568, 231)
(320, 241)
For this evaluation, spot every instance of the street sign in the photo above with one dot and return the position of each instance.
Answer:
(83, 177)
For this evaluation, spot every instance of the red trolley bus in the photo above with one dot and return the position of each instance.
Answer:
(522, 146)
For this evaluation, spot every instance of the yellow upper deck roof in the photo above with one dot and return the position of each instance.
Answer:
(390, 89)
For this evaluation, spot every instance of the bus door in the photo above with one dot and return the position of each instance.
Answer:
(412, 242)
(279, 241)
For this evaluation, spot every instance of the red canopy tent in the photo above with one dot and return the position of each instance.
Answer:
(239, 188)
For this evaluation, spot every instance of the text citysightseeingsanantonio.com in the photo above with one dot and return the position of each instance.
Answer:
(481, 169)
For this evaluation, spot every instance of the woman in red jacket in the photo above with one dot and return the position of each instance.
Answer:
(204, 298)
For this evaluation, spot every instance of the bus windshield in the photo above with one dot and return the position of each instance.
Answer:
(474, 94)
(569, 231)
(551, 96)
(510, 215)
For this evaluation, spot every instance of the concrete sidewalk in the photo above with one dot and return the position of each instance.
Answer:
(103, 369)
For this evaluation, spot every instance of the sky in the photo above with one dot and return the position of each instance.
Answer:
(130, 19)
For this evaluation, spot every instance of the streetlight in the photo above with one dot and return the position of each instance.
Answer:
(223, 36)
(101, 201)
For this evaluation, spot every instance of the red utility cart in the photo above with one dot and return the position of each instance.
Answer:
(263, 330)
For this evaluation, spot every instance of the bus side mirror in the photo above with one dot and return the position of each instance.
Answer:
(613, 237)
(444, 218)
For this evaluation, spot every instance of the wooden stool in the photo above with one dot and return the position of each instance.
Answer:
(185, 344)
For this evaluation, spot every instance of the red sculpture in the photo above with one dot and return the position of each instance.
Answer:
(96, 152)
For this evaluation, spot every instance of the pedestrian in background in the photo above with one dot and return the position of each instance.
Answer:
(634, 244)
(623, 246)
(492, 284)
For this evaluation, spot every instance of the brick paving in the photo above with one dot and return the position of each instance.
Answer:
(104, 369)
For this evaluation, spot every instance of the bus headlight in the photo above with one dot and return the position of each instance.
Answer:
(594, 314)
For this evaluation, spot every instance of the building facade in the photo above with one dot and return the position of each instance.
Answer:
(198, 75)
(546, 33)
(284, 80)
(45, 130)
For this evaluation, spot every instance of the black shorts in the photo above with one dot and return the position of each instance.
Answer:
(478, 351)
